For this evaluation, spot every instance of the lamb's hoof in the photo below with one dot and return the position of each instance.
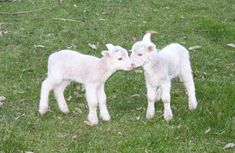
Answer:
(168, 115)
(192, 106)
(90, 123)
(149, 115)
(43, 111)
(105, 118)
(92, 119)
(65, 111)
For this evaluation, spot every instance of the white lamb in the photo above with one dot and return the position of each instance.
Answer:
(159, 68)
(66, 66)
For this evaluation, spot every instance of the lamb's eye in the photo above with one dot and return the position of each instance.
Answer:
(140, 54)
(120, 58)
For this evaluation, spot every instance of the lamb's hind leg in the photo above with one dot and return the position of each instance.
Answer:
(187, 78)
(59, 94)
(47, 85)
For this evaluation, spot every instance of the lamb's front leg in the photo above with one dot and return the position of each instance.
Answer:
(151, 95)
(166, 97)
(104, 114)
(91, 96)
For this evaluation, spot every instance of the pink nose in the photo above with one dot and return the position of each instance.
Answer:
(133, 65)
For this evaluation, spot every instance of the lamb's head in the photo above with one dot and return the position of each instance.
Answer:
(118, 57)
(141, 50)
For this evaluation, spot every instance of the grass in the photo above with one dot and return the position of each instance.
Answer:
(210, 24)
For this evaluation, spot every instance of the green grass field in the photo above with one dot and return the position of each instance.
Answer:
(210, 24)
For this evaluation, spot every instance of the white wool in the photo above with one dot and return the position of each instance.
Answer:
(66, 66)
(159, 68)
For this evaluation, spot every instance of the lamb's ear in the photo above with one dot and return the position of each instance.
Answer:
(147, 37)
(105, 53)
(151, 48)
(110, 46)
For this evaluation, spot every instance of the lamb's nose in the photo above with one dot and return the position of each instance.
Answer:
(132, 64)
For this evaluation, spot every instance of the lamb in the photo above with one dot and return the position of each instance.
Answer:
(66, 66)
(159, 68)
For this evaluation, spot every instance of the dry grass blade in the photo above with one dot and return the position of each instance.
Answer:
(2, 98)
(133, 38)
(39, 46)
(194, 47)
(138, 71)
(69, 98)
(74, 137)
(88, 123)
(63, 19)
(78, 111)
(231, 45)
(136, 95)
(93, 46)
(207, 131)
(229, 146)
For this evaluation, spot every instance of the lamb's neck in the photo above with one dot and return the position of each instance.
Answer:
(106, 69)
(151, 60)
